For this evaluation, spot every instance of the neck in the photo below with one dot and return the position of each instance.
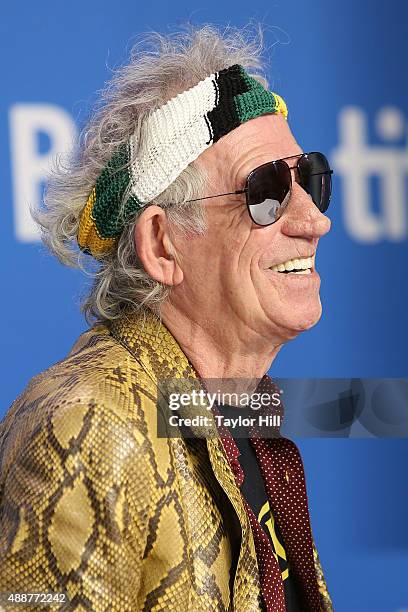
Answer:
(218, 351)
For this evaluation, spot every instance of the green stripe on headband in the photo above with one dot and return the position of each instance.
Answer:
(257, 101)
(106, 211)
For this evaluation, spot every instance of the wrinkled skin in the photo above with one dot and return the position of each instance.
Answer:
(229, 312)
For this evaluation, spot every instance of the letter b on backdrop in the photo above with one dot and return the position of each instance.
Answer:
(30, 165)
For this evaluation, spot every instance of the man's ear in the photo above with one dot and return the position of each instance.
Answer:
(154, 246)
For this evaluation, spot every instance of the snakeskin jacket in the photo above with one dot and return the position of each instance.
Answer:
(96, 507)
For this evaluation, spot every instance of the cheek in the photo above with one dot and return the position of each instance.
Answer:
(199, 258)
(227, 255)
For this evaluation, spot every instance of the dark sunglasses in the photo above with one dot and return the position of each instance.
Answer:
(268, 187)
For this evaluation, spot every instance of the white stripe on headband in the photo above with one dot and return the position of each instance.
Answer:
(176, 134)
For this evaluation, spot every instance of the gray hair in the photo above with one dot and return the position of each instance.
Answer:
(160, 67)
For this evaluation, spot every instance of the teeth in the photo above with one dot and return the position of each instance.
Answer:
(300, 266)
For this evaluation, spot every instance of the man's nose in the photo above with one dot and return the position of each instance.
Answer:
(302, 217)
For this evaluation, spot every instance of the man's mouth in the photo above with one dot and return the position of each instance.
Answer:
(295, 266)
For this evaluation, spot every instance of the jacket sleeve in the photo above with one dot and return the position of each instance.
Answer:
(74, 509)
(325, 600)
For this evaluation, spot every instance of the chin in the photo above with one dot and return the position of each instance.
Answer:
(300, 320)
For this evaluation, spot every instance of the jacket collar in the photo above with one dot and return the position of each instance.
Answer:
(159, 354)
(152, 345)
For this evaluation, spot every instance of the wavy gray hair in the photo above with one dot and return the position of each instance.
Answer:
(160, 67)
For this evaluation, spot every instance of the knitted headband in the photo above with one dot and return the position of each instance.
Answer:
(177, 133)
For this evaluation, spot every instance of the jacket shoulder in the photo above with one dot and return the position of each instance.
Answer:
(98, 379)
(77, 479)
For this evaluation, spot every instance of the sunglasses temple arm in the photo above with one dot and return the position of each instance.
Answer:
(240, 191)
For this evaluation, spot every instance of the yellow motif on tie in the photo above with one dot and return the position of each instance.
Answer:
(270, 523)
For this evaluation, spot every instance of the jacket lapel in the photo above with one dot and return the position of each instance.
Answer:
(158, 353)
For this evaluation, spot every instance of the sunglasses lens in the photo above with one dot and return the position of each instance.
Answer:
(268, 187)
(315, 175)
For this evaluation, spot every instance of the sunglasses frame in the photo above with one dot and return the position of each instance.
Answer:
(283, 159)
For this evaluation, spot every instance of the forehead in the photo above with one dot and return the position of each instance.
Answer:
(251, 144)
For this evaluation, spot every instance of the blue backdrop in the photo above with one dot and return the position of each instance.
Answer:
(341, 68)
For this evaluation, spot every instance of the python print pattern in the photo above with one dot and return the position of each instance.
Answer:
(94, 505)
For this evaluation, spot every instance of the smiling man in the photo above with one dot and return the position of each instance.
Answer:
(204, 216)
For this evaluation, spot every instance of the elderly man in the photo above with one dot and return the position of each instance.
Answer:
(203, 215)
